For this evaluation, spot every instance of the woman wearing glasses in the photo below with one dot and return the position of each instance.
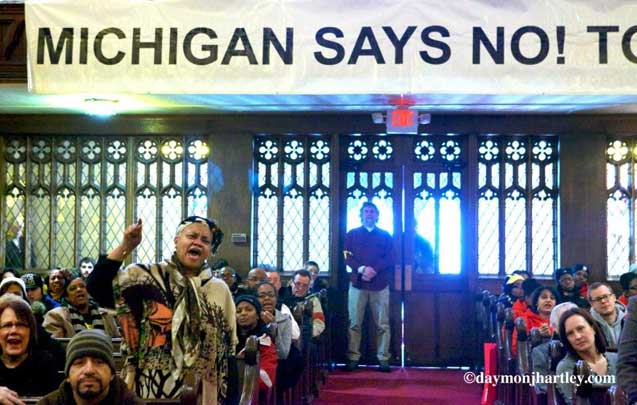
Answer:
(24, 370)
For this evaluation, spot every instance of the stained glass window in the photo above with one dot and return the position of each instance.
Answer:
(517, 204)
(291, 193)
(68, 196)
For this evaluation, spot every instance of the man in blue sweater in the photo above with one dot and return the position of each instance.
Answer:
(369, 259)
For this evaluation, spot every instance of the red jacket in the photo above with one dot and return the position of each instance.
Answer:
(268, 360)
(519, 308)
(532, 320)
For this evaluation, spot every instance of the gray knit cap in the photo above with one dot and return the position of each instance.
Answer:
(90, 342)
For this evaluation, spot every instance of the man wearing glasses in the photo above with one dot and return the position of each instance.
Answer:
(607, 312)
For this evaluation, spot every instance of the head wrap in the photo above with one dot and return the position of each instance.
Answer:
(217, 234)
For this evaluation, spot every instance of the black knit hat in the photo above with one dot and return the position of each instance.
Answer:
(250, 299)
(626, 279)
(90, 342)
(560, 272)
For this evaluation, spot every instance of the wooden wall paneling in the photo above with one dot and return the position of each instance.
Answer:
(422, 317)
(229, 178)
(582, 202)
(455, 328)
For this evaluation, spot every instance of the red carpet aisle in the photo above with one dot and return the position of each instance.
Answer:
(401, 386)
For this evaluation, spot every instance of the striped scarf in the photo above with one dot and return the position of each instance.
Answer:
(92, 320)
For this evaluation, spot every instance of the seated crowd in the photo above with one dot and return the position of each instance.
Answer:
(175, 319)
(594, 331)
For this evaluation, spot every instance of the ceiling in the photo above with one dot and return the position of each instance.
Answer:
(15, 99)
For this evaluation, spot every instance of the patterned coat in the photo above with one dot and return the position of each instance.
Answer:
(181, 323)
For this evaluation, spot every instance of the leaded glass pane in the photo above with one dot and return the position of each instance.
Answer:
(522, 175)
(450, 249)
(293, 236)
(508, 175)
(618, 233)
(95, 170)
(40, 221)
(482, 175)
(624, 176)
(543, 246)
(425, 217)
(89, 225)
(515, 234)
(548, 175)
(488, 236)
(325, 174)
(266, 228)
(115, 217)
(146, 203)
(535, 176)
(611, 172)
(171, 216)
(495, 175)
(319, 236)
(65, 229)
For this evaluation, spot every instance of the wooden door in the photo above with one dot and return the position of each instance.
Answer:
(417, 184)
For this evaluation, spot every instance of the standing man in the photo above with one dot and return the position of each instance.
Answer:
(14, 247)
(369, 259)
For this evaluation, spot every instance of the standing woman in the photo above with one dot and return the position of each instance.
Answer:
(583, 340)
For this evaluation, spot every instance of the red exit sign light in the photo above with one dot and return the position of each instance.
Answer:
(402, 121)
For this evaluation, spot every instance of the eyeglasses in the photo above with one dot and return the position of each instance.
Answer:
(633, 287)
(602, 298)
(6, 327)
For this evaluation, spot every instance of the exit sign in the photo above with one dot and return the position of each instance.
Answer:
(402, 121)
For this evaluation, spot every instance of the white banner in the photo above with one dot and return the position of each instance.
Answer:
(514, 47)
